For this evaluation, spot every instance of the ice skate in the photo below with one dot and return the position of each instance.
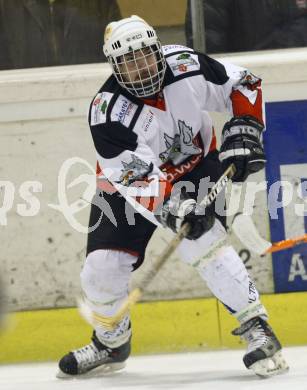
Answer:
(91, 356)
(263, 354)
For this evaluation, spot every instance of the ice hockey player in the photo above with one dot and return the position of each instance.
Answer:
(155, 145)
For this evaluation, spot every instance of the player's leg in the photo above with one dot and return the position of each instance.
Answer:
(225, 274)
(104, 279)
(113, 252)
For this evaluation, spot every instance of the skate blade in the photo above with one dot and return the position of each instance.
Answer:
(274, 365)
(104, 369)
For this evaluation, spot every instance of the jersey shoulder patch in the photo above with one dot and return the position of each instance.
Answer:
(183, 63)
(114, 107)
(123, 110)
(98, 109)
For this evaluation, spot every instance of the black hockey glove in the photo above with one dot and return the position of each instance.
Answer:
(242, 145)
(180, 209)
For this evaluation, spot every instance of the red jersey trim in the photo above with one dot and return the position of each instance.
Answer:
(158, 102)
(242, 106)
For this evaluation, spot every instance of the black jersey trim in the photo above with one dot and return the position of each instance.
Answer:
(111, 85)
(113, 138)
(90, 111)
(212, 70)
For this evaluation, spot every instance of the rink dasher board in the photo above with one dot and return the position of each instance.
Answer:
(40, 105)
(158, 327)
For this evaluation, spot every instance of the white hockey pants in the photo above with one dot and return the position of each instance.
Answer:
(106, 275)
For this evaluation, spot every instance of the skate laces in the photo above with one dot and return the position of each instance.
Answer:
(89, 355)
(254, 333)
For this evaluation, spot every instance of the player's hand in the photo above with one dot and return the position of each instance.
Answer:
(176, 212)
(242, 146)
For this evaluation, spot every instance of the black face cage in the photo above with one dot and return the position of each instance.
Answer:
(140, 71)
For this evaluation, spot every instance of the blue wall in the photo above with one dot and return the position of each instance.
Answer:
(286, 143)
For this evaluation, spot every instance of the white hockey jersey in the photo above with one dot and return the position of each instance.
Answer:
(145, 145)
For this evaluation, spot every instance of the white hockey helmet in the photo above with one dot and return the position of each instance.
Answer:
(135, 55)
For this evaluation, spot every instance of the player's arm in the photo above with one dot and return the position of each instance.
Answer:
(242, 142)
(226, 87)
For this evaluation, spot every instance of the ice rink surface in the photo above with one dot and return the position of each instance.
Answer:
(207, 371)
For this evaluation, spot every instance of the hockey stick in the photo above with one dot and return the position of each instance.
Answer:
(96, 319)
(246, 231)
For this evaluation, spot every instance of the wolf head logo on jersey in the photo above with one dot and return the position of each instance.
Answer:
(135, 170)
(180, 147)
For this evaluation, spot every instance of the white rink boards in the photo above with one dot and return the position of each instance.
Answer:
(42, 104)
(211, 370)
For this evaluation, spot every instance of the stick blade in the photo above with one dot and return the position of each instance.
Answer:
(244, 228)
